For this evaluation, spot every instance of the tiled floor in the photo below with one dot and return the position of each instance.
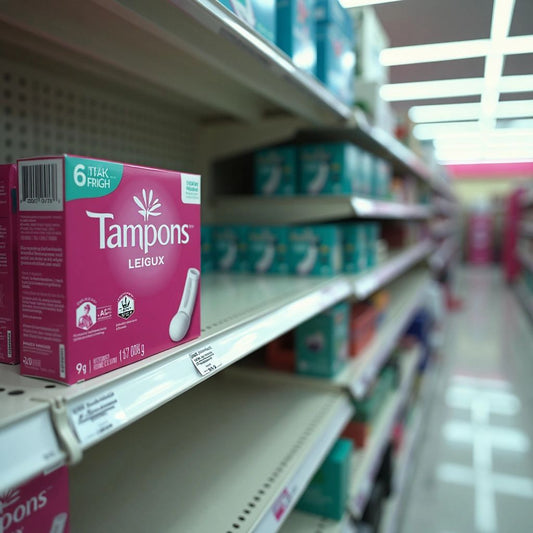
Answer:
(474, 468)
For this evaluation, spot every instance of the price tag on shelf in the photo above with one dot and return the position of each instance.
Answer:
(204, 360)
(96, 416)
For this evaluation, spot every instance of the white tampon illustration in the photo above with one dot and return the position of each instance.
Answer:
(308, 262)
(320, 179)
(226, 262)
(265, 262)
(179, 325)
(273, 181)
(59, 523)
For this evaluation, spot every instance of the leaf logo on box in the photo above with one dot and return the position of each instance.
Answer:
(148, 208)
(8, 498)
(16, 514)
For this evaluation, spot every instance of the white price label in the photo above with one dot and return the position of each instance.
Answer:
(96, 416)
(204, 360)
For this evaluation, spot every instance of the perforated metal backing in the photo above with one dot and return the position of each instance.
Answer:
(44, 113)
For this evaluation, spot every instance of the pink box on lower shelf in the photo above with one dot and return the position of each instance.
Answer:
(109, 264)
(9, 352)
(41, 504)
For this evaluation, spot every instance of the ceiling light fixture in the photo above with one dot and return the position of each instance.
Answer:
(420, 90)
(469, 111)
(428, 53)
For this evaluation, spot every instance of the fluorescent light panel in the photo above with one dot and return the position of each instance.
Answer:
(420, 90)
(428, 53)
(470, 111)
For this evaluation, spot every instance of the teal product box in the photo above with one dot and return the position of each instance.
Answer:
(354, 248)
(208, 255)
(336, 59)
(231, 248)
(367, 172)
(372, 232)
(268, 249)
(296, 32)
(327, 493)
(276, 171)
(372, 255)
(382, 179)
(259, 14)
(322, 342)
(315, 250)
(328, 168)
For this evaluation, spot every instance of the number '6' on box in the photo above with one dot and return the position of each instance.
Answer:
(109, 264)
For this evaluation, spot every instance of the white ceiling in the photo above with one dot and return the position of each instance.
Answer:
(412, 22)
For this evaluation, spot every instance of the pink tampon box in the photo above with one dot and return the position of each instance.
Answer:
(109, 264)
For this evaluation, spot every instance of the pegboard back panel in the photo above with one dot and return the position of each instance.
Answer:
(46, 113)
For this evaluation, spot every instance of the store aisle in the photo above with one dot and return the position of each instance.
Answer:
(474, 466)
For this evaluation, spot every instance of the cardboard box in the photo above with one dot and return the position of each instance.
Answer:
(296, 32)
(268, 249)
(258, 14)
(41, 504)
(315, 250)
(9, 321)
(336, 58)
(329, 168)
(230, 245)
(276, 171)
(322, 343)
(327, 492)
(109, 263)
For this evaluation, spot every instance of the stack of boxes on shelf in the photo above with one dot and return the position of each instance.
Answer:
(323, 346)
(315, 250)
(321, 168)
(318, 36)
(108, 258)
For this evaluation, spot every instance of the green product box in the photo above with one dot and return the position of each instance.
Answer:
(367, 409)
(322, 342)
(315, 250)
(268, 248)
(231, 248)
(208, 259)
(354, 248)
(327, 492)
(328, 168)
(276, 171)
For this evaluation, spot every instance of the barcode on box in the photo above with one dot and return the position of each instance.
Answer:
(41, 185)
(9, 345)
(62, 366)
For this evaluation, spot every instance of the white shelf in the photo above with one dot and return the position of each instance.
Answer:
(366, 462)
(300, 522)
(526, 229)
(262, 309)
(193, 51)
(526, 257)
(299, 209)
(405, 298)
(235, 451)
(366, 284)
